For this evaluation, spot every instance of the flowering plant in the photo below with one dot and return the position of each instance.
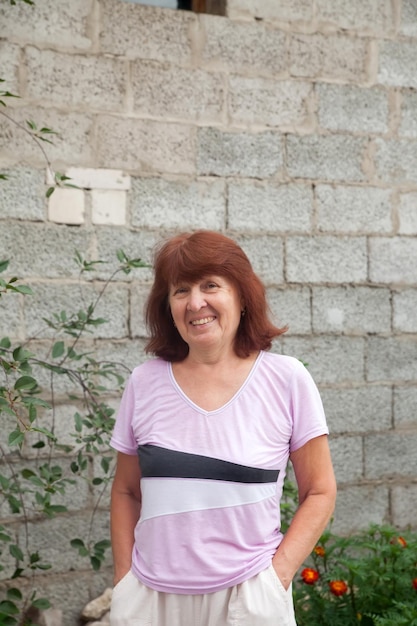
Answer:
(366, 579)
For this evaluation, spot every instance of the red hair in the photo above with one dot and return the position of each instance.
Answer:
(189, 257)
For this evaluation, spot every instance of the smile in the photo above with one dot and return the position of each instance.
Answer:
(204, 320)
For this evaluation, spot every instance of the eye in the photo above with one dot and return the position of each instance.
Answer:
(177, 291)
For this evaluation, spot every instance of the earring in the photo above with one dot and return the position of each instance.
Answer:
(243, 312)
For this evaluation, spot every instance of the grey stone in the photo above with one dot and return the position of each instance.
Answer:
(164, 90)
(326, 158)
(408, 25)
(274, 208)
(347, 457)
(390, 455)
(392, 260)
(405, 307)
(407, 213)
(363, 16)
(330, 359)
(266, 255)
(408, 125)
(326, 259)
(404, 505)
(405, 407)
(158, 203)
(353, 209)
(291, 307)
(392, 359)
(271, 10)
(359, 506)
(22, 195)
(353, 109)
(351, 310)
(397, 63)
(396, 161)
(357, 409)
(222, 153)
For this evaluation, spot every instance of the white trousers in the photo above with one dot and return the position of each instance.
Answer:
(259, 601)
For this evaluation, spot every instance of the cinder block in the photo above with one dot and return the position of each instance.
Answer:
(266, 102)
(22, 195)
(91, 178)
(397, 61)
(408, 24)
(247, 48)
(62, 25)
(50, 253)
(390, 260)
(271, 10)
(351, 310)
(347, 457)
(72, 141)
(138, 297)
(52, 538)
(326, 259)
(223, 153)
(404, 505)
(182, 204)
(127, 354)
(405, 307)
(98, 83)
(350, 209)
(108, 206)
(143, 32)
(11, 315)
(358, 409)
(171, 92)
(9, 66)
(330, 359)
(113, 307)
(405, 403)
(392, 359)
(408, 125)
(291, 307)
(270, 207)
(359, 506)
(327, 57)
(390, 455)
(363, 16)
(67, 206)
(332, 157)
(352, 109)
(396, 161)
(266, 254)
(145, 146)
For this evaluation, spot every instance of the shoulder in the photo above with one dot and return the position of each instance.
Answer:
(281, 363)
(149, 369)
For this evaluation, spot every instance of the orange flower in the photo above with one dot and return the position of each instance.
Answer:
(319, 550)
(400, 540)
(338, 587)
(414, 583)
(310, 576)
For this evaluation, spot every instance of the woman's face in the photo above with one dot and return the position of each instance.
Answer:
(206, 313)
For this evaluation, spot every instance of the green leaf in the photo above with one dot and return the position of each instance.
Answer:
(77, 543)
(8, 608)
(16, 438)
(25, 382)
(49, 192)
(4, 265)
(5, 343)
(58, 349)
(24, 289)
(41, 603)
(14, 594)
(16, 552)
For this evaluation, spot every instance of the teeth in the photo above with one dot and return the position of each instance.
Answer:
(204, 320)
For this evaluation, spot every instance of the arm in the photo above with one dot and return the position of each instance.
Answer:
(124, 512)
(317, 495)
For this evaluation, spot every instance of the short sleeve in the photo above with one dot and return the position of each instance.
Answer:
(309, 420)
(123, 439)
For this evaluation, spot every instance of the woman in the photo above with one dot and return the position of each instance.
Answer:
(213, 419)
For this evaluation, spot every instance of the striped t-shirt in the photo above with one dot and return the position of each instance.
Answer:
(212, 480)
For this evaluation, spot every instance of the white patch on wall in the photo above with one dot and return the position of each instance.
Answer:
(335, 317)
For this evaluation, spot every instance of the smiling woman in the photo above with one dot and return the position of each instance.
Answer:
(204, 434)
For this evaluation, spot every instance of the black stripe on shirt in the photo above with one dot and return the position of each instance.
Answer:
(157, 462)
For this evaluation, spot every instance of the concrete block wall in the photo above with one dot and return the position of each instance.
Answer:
(289, 126)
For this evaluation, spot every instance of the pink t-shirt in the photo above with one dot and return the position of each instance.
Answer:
(212, 480)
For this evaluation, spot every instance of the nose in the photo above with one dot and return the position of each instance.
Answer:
(196, 300)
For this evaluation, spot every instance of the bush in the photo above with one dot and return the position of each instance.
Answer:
(366, 579)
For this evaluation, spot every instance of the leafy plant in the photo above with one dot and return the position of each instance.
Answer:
(367, 579)
(36, 466)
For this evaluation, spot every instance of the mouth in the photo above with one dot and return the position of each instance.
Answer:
(203, 320)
